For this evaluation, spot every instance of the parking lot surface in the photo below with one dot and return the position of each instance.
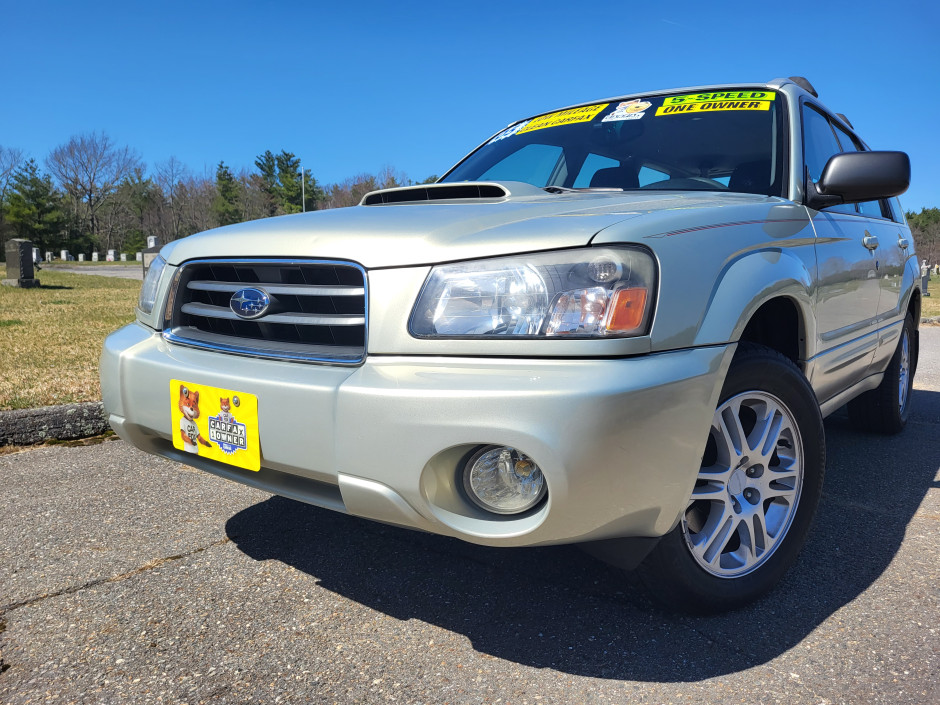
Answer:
(129, 579)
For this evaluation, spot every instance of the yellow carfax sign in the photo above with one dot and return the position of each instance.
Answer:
(220, 424)
(564, 117)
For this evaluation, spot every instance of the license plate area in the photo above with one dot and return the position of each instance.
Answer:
(215, 423)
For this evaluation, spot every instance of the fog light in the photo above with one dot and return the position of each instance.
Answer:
(503, 480)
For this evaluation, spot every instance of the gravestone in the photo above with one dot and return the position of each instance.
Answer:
(64, 255)
(150, 254)
(110, 257)
(37, 255)
(123, 257)
(94, 256)
(81, 257)
(20, 264)
(140, 256)
(48, 256)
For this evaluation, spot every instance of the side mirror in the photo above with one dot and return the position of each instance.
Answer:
(851, 177)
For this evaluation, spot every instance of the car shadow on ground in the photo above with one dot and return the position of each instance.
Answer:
(555, 607)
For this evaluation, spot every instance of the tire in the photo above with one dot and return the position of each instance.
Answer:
(753, 502)
(886, 408)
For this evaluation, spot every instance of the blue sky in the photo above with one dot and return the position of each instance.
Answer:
(353, 87)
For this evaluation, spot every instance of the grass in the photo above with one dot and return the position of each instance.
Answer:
(930, 305)
(51, 336)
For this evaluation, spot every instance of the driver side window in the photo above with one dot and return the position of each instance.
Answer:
(820, 143)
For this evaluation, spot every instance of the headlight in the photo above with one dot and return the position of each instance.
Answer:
(148, 292)
(602, 292)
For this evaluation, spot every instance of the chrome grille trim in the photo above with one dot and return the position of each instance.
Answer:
(291, 289)
(319, 314)
(297, 319)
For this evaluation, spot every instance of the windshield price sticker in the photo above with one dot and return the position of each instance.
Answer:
(714, 102)
(722, 96)
(564, 117)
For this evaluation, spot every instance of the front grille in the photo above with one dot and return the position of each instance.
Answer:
(317, 314)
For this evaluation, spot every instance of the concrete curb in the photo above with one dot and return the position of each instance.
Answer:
(23, 427)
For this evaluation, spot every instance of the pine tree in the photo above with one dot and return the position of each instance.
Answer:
(35, 207)
(225, 206)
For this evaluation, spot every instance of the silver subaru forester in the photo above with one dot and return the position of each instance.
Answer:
(619, 324)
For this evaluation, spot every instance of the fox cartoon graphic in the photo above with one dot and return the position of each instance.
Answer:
(225, 410)
(189, 408)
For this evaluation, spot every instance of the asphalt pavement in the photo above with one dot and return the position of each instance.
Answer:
(130, 579)
(122, 271)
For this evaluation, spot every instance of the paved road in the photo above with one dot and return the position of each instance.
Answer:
(124, 271)
(125, 578)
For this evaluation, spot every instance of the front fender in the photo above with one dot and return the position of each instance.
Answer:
(748, 282)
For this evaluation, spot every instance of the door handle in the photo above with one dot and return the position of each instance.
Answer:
(903, 243)
(870, 241)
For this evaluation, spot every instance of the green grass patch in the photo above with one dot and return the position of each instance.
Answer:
(930, 305)
(51, 336)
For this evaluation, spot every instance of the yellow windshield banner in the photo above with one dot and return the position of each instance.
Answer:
(714, 106)
(564, 117)
(721, 96)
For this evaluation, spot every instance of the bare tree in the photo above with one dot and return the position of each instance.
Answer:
(350, 191)
(196, 195)
(89, 167)
(169, 177)
(10, 160)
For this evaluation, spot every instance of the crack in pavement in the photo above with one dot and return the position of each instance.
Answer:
(150, 565)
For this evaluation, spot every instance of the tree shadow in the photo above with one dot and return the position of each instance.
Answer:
(555, 607)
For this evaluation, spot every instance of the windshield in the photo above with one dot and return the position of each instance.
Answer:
(719, 141)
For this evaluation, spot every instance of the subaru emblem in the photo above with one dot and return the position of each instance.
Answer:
(250, 303)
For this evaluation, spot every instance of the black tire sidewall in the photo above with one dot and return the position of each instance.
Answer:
(754, 369)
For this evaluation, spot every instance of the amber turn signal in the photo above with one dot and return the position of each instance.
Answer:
(626, 311)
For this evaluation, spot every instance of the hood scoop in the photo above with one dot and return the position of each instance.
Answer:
(467, 191)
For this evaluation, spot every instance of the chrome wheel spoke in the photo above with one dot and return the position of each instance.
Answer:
(904, 370)
(730, 432)
(746, 497)
(714, 538)
(710, 490)
(780, 485)
(769, 433)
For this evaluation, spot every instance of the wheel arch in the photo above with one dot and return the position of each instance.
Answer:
(764, 297)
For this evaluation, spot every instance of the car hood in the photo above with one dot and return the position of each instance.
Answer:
(430, 232)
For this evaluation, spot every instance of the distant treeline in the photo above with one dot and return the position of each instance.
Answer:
(95, 195)
(90, 194)
(925, 227)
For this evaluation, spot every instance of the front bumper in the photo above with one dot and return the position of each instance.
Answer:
(619, 440)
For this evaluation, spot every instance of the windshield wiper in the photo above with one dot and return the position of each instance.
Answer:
(565, 189)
